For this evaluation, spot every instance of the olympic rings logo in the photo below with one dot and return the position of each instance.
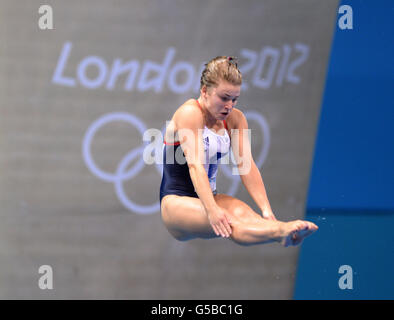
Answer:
(121, 175)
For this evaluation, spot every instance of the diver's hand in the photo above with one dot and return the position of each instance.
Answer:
(220, 222)
(268, 214)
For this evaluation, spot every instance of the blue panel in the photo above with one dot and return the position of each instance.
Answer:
(351, 191)
(364, 242)
(354, 155)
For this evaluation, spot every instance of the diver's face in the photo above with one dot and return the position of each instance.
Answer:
(221, 99)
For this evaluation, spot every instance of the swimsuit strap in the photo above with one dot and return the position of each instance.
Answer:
(225, 124)
(171, 144)
(198, 104)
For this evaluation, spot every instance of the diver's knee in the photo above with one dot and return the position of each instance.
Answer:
(238, 212)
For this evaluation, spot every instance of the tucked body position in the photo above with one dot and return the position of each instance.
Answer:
(201, 132)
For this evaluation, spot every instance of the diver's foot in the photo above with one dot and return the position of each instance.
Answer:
(294, 232)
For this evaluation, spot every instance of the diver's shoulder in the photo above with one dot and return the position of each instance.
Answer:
(237, 112)
(189, 110)
(235, 118)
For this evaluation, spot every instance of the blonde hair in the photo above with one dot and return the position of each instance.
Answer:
(221, 68)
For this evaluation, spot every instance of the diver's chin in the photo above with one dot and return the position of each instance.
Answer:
(224, 115)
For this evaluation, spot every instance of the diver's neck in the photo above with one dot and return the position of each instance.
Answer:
(209, 120)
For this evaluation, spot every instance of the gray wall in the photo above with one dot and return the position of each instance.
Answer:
(55, 84)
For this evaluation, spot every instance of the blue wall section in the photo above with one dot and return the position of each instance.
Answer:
(351, 192)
